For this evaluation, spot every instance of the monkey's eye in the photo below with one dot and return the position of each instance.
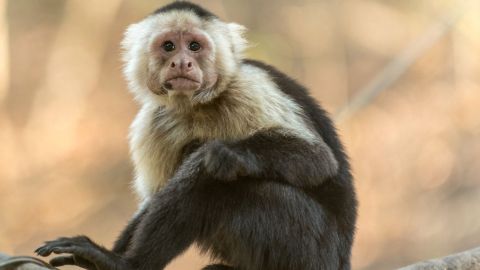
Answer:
(168, 46)
(194, 46)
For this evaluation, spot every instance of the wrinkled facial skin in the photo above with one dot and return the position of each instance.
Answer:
(181, 62)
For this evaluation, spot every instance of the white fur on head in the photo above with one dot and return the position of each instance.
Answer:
(228, 46)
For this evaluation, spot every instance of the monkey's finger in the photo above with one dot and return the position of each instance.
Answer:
(88, 258)
(62, 260)
(47, 248)
(67, 240)
(58, 241)
(44, 250)
(71, 250)
(62, 241)
(89, 254)
(38, 249)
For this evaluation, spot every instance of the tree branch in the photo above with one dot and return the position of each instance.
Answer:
(22, 263)
(467, 260)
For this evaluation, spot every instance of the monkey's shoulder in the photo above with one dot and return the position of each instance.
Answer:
(300, 95)
(312, 111)
(288, 87)
(285, 83)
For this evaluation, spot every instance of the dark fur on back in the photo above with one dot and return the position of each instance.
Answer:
(185, 5)
(337, 194)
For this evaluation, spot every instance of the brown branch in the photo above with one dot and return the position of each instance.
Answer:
(22, 263)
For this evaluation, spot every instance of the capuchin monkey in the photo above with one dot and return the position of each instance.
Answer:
(229, 153)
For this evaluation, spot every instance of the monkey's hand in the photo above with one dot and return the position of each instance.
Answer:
(223, 162)
(273, 154)
(83, 252)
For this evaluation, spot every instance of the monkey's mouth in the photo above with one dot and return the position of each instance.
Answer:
(182, 83)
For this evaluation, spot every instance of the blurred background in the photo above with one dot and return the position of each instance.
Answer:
(415, 147)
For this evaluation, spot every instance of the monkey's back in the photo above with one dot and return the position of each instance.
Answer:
(336, 195)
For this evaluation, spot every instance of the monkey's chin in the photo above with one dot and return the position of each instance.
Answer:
(181, 92)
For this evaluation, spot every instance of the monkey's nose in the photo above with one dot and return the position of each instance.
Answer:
(182, 65)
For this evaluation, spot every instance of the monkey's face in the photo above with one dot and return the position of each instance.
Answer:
(176, 58)
(181, 62)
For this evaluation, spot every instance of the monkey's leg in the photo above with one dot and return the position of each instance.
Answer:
(265, 225)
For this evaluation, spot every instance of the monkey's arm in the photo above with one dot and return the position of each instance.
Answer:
(162, 231)
(124, 239)
(272, 154)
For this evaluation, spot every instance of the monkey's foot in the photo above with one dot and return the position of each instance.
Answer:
(83, 253)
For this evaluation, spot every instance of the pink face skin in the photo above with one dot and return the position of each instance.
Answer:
(184, 61)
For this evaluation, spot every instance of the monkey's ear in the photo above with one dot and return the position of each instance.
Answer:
(131, 36)
(134, 38)
(237, 32)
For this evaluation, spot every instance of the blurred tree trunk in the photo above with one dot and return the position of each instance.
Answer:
(4, 56)
(31, 27)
